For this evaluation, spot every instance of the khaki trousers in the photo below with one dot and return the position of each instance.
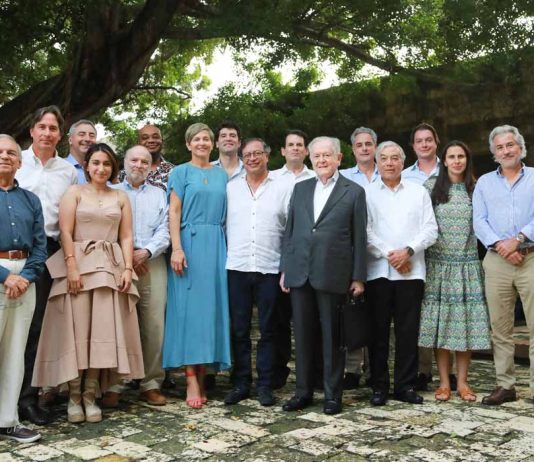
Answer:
(503, 282)
(15, 319)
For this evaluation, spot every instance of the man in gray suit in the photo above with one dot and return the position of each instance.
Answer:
(323, 259)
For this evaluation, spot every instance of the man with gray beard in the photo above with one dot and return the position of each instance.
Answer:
(151, 239)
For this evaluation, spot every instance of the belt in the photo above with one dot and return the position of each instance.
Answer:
(526, 250)
(14, 254)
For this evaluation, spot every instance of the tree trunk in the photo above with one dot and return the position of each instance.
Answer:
(104, 67)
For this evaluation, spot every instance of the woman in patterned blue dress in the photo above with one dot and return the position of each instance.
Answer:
(197, 326)
(454, 313)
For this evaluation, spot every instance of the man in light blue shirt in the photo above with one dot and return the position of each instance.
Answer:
(365, 172)
(82, 135)
(151, 239)
(424, 141)
(503, 219)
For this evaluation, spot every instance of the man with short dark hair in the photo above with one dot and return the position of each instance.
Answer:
(503, 219)
(22, 257)
(294, 171)
(228, 142)
(47, 175)
(82, 135)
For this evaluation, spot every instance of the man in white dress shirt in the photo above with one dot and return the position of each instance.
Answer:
(151, 239)
(255, 223)
(401, 225)
(48, 176)
(294, 171)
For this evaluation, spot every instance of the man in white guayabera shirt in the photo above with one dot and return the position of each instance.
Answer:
(401, 225)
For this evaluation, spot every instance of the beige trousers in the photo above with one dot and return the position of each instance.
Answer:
(152, 288)
(503, 282)
(15, 319)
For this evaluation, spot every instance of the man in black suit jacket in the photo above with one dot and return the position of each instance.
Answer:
(323, 258)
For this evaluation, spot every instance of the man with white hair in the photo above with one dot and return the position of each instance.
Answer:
(401, 225)
(22, 257)
(82, 135)
(503, 219)
(326, 223)
(151, 239)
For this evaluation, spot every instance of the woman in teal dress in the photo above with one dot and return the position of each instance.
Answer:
(197, 326)
(454, 314)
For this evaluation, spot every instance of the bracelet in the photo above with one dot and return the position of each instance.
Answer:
(128, 269)
(178, 250)
(68, 256)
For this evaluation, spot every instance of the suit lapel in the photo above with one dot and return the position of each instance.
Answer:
(340, 188)
(309, 199)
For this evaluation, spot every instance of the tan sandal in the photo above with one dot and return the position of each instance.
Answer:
(467, 394)
(443, 394)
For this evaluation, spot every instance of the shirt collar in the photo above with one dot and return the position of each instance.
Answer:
(70, 158)
(401, 185)
(35, 158)
(499, 171)
(415, 166)
(332, 179)
(15, 185)
(128, 186)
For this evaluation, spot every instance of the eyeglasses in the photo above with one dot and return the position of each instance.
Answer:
(253, 154)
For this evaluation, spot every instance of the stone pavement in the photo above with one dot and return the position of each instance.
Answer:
(453, 431)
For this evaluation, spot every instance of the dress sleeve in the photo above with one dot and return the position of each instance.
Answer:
(177, 180)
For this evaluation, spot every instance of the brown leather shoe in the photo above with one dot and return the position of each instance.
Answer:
(153, 397)
(500, 395)
(110, 400)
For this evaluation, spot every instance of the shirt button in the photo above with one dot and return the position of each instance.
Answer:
(313, 230)
(12, 224)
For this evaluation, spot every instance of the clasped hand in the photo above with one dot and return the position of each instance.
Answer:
(15, 285)
(400, 260)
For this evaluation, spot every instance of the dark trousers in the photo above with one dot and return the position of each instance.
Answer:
(245, 289)
(28, 394)
(399, 301)
(317, 310)
(282, 335)
(282, 340)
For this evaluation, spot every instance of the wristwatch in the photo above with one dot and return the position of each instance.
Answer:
(410, 251)
(521, 238)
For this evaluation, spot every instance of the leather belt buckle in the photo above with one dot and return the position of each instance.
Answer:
(15, 254)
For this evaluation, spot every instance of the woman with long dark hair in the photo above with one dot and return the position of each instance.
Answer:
(90, 335)
(454, 312)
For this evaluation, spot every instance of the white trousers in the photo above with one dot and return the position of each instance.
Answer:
(15, 319)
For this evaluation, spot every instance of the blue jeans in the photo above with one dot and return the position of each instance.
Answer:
(245, 289)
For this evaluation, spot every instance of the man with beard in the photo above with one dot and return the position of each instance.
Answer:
(151, 239)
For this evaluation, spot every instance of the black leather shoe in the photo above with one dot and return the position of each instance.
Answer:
(332, 406)
(409, 396)
(296, 404)
(379, 398)
(35, 415)
(422, 381)
(265, 396)
(169, 383)
(500, 395)
(209, 382)
(351, 381)
(236, 395)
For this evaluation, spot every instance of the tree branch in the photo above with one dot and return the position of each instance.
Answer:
(162, 88)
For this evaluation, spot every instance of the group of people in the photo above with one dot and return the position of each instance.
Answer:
(157, 267)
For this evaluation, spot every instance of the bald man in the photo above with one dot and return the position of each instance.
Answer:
(151, 239)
